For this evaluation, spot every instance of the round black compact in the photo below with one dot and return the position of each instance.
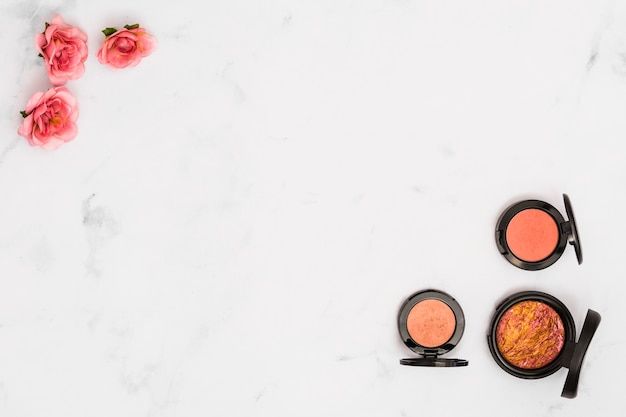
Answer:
(431, 323)
(533, 234)
(532, 335)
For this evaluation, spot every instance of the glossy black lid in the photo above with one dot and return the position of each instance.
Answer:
(592, 321)
(573, 238)
(434, 362)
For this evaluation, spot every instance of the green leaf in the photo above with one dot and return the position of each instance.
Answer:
(109, 31)
(40, 55)
(130, 27)
(24, 114)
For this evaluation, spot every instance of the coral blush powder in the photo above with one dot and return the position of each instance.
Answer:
(532, 235)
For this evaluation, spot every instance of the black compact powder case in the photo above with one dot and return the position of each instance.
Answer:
(430, 355)
(571, 355)
(567, 230)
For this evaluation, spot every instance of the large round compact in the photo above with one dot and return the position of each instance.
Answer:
(532, 335)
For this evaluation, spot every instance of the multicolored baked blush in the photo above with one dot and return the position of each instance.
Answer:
(532, 335)
(532, 234)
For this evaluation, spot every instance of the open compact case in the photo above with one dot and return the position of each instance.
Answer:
(532, 335)
(431, 323)
(533, 234)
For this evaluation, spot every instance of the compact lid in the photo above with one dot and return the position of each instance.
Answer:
(434, 362)
(574, 240)
(592, 321)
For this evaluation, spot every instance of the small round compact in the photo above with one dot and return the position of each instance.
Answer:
(431, 323)
(532, 335)
(532, 234)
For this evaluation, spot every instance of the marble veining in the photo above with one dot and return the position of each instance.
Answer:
(100, 228)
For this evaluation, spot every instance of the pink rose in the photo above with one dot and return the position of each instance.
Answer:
(125, 47)
(64, 50)
(50, 118)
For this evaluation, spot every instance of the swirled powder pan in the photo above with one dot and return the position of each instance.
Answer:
(431, 323)
(532, 335)
(533, 234)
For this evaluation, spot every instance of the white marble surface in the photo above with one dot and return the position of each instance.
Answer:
(241, 215)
